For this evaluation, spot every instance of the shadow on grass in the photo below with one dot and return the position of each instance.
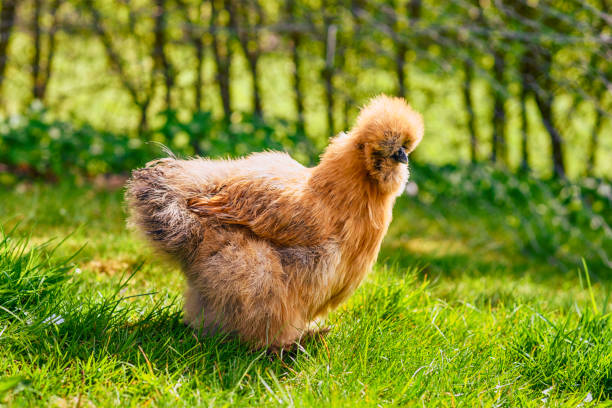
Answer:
(64, 333)
(456, 266)
(139, 346)
(453, 241)
(154, 342)
(84, 336)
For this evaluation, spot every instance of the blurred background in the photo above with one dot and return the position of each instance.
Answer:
(524, 84)
(516, 97)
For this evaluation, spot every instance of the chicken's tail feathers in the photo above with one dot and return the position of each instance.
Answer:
(158, 208)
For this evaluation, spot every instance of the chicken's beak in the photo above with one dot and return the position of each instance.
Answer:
(400, 156)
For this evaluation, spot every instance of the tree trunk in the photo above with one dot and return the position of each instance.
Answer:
(328, 73)
(527, 69)
(556, 141)
(535, 72)
(223, 76)
(41, 69)
(593, 146)
(400, 62)
(255, 53)
(199, 48)
(141, 99)
(600, 92)
(195, 37)
(414, 8)
(36, 79)
(524, 130)
(51, 49)
(256, 96)
(498, 147)
(295, 58)
(471, 119)
(223, 57)
(143, 121)
(162, 64)
(247, 34)
(538, 73)
(7, 21)
(297, 81)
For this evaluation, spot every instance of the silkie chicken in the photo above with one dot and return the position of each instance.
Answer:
(268, 246)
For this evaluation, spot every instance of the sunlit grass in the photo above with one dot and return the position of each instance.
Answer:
(453, 315)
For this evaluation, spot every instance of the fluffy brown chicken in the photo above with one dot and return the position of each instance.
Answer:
(268, 245)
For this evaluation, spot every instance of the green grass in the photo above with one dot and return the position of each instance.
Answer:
(456, 313)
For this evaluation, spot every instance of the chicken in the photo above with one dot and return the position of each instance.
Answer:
(267, 245)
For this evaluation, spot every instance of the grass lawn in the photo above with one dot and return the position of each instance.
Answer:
(456, 313)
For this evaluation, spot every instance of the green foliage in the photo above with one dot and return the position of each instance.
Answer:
(205, 135)
(36, 146)
(559, 221)
(473, 69)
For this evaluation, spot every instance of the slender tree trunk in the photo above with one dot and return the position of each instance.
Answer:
(223, 77)
(141, 99)
(556, 141)
(471, 118)
(297, 81)
(600, 92)
(498, 119)
(527, 69)
(223, 57)
(592, 158)
(414, 9)
(400, 62)
(247, 35)
(295, 58)
(328, 73)
(7, 21)
(198, 44)
(51, 49)
(143, 120)
(252, 60)
(255, 53)
(159, 54)
(36, 79)
(400, 52)
(498, 148)
(357, 8)
(540, 82)
(195, 37)
(199, 48)
(524, 129)
(41, 69)
(537, 80)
